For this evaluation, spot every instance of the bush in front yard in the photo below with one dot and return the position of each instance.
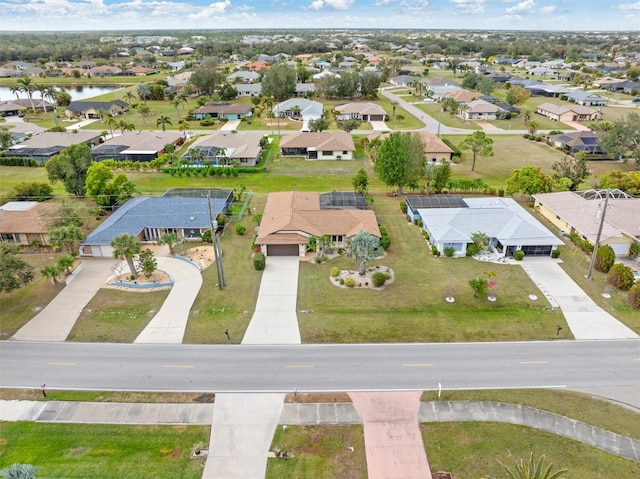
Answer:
(240, 228)
(335, 271)
(633, 296)
(605, 258)
(518, 255)
(620, 276)
(403, 207)
(449, 251)
(555, 253)
(259, 261)
(350, 282)
(378, 279)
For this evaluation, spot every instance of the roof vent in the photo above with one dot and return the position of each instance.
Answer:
(192, 218)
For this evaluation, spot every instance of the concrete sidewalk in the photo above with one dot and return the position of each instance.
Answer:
(275, 320)
(586, 319)
(169, 324)
(55, 321)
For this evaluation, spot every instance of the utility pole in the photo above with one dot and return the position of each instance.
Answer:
(216, 245)
(597, 244)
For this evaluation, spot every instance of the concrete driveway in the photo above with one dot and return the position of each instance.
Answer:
(55, 321)
(586, 319)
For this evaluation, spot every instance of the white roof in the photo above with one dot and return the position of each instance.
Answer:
(18, 205)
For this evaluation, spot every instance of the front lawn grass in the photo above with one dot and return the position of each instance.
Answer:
(21, 305)
(116, 316)
(581, 407)
(472, 449)
(103, 451)
(413, 308)
(320, 452)
(34, 394)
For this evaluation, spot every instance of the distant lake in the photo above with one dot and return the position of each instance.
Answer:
(77, 92)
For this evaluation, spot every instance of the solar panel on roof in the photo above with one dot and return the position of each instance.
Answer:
(436, 201)
(343, 200)
(589, 140)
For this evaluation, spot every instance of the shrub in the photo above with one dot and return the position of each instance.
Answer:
(335, 271)
(350, 282)
(620, 276)
(518, 255)
(633, 296)
(605, 258)
(434, 250)
(240, 228)
(206, 236)
(581, 243)
(472, 249)
(403, 207)
(555, 253)
(634, 249)
(500, 192)
(449, 251)
(385, 241)
(320, 259)
(479, 286)
(378, 279)
(341, 280)
(418, 222)
(259, 261)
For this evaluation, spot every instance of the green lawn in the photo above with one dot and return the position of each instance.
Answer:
(103, 451)
(116, 316)
(413, 308)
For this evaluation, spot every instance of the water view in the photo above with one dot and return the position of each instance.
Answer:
(77, 92)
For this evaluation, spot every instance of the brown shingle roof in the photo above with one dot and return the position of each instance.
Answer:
(321, 140)
(367, 108)
(26, 217)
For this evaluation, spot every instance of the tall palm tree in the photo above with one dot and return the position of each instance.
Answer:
(533, 127)
(183, 126)
(27, 86)
(112, 123)
(15, 89)
(130, 97)
(144, 111)
(52, 94)
(42, 89)
(143, 92)
(125, 126)
(164, 121)
(126, 246)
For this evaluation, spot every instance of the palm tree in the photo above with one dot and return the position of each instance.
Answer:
(112, 123)
(27, 86)
(221, 156)
(144, 112)
(363, 247)
(52, 94)
(533, 127)
(183, 126)
(394, 104)
(143, 92)
(183, 101)
(129, 97)
(19, 471)
(52, 272)
(125, 126)
(42, 89)
(164, 121)
(126, 246)
(532, 469)
(15, 89)
(170, 239)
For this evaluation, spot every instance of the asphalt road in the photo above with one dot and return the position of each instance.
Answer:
(208, 368)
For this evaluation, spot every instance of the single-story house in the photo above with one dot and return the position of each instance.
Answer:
(148, 218)
(480, 110)
(564, 113)
(580, 213)
(26, 222)
(248, 89)
(226, 147)
(10, 108)
(451, 222)
(585, 141)
(136, 145)
(435, 150)
(545, 89)
(361, 111)
(404, 80)
(45, 145)
(13, 107)
(243, 77)
(140, 71)
(299, 108)
(90, 109)
(319, 145)
(585, 98)
(230, 111)
(291, 217)
(461, 96)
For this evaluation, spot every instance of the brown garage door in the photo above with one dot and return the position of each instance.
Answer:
(282, 250)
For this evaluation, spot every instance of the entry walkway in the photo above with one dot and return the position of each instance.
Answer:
(55, 321)
(586, 319)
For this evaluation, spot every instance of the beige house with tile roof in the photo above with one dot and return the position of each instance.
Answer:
(25, 222)
(361, 111)
(571, 112)
(480, 110)
(320, 145)
(462, 96)
(435, 150)
(290, 218)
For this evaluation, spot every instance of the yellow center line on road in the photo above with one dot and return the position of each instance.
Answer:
(534, 362)
(298, 366)
(62, 364)
(183, 366)
(417, 365)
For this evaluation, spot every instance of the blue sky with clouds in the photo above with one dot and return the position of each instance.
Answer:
(25, 15)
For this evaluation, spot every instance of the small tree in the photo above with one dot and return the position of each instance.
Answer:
(363, 247)
(240, 229)
(620, 276)
(360, 182)
(147, 263)
(170, 239)
(605, 258)
(52, 272)
(633, 296)
(479, 286)
(441, 176)
(14, 272)
(65, 262)
(65, 237)
(126, 246)
(479, 144)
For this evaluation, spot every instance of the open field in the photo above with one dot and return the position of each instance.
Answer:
(104, 451)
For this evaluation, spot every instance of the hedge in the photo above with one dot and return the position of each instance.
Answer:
(18, 161)
(455, 157)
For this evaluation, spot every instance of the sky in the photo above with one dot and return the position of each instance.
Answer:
(110, 15)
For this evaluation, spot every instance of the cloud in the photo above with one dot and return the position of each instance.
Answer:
(211, 10)
(525, 6)
(548, 9)
(382, 3)
(331, 4)
(413, 7)
(628, 7)
(469, 7)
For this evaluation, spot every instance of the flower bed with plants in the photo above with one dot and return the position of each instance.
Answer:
(375, 277)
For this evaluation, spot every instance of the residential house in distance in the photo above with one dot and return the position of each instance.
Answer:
(290, 218)
(324, 145)
(26, 222)
(581, 141)
(44, 146)
(406, 81)
(462, 96)
(435, 150)
(579, 212)
(480, 110)
(136, 145)
(183, 212)
(243, 77)
(564, 113)
(91, 109)
(299, 108)
(248, 89)
(222, 147)
(13, 107)
(361, 111)
(228, 111)
(585, 98)
(451, 222)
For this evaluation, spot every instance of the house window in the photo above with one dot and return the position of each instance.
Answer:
(9, 237)
(336, 239)
(243, 160)
(345, 152)
(327, 153)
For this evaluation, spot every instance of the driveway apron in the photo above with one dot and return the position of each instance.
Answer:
(55, 321)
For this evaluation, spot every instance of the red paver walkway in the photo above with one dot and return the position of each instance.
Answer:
(392, 438)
